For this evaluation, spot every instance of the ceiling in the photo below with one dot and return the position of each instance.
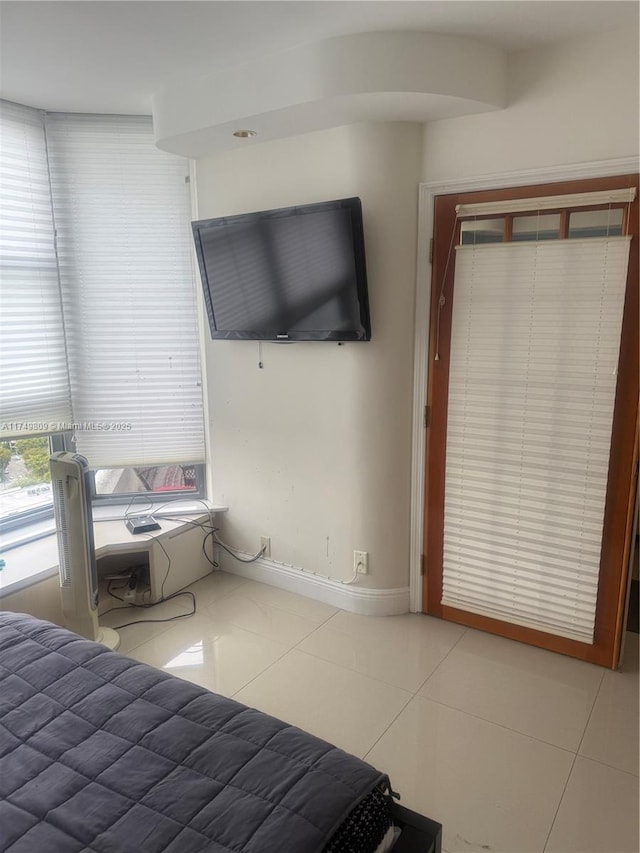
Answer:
(111, 57)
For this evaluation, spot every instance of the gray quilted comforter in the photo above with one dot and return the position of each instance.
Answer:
(101, 753)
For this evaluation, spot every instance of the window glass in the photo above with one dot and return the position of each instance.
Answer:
(25, 481)
(180, 479)
(544, 226)
(474, 231)
(595, 223)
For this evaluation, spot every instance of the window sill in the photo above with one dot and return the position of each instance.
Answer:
(34, 557)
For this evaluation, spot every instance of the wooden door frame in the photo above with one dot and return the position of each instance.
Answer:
(428, 192)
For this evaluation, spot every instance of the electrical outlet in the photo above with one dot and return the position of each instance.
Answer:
(361, 562)
(265, 546)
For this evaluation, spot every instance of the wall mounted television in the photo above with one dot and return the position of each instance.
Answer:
(291, 274)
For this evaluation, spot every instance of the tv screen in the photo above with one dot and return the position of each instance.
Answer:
(291, 274)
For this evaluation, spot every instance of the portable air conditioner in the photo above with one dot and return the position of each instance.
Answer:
(76, 549)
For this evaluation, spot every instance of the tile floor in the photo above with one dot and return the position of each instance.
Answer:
(512, 748)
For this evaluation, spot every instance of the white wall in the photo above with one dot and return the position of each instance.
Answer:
(314, 449)
(570, 102)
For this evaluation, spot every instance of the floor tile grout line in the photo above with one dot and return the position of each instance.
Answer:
(352, 671)
(264, 636)
(349, 668)
(609, 766)
(342, 666)
(502, 725)
(573, 764)
(377, 741)
(431, 674)
(315, 622)
(364, 675)
(498, 725)
(265, 670)
(314, 619)
(348, 637)
(417, 694)
(317, 628)
(561, 798)
(273, 663)
(593, 707)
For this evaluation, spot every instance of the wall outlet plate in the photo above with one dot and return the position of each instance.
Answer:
(265, 546)
(361, 562)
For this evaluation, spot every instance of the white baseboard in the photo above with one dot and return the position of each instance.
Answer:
(351, 597)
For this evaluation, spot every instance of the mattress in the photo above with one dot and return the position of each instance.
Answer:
(101, 753)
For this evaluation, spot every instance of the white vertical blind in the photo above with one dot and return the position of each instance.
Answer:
(122, 215)
(34, 380)
(534, 353)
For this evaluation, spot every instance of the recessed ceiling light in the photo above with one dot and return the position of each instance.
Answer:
(245, 134)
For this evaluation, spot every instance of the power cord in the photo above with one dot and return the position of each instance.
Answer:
(147, 606)
(231, 550)
(210, 531)
(163, 598)
(148, 506)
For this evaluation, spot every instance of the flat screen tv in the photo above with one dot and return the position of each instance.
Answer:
(291, 274)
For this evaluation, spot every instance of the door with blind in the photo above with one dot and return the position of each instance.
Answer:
(533, 390)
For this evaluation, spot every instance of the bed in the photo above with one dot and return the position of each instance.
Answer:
(101, 753)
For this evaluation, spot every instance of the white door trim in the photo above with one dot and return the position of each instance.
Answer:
(427, 194)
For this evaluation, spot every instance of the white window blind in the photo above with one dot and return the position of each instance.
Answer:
(550, 202)
(122, 215)
(34, 380)
(534, 353)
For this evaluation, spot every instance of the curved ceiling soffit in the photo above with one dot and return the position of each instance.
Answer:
(392, 76)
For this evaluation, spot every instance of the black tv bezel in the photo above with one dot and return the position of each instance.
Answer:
(354, 205)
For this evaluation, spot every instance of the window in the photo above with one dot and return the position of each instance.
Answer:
(574, 216)
(161, 481)
(98, 328)
(25, 481)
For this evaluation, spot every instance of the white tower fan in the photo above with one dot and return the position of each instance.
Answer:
(76, 548)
